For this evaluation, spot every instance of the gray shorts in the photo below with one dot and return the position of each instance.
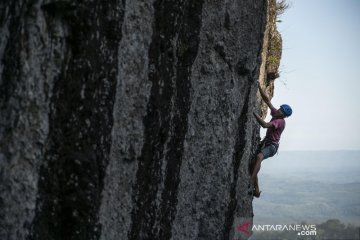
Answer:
(269, 151)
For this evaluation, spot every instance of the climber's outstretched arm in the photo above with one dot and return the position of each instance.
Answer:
(262, 122)
(265, 98)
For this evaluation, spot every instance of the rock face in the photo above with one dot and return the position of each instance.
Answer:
(128, 119)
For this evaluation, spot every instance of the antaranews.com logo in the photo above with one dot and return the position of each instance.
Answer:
(303, 230)
(244, 228)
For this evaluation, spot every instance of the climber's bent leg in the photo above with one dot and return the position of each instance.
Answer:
(256, 169)
(266, 152)
(256, 185)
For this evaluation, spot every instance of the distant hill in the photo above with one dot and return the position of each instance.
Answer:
(311, 187)
(331, 229)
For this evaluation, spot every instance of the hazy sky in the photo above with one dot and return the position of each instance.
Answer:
(320, 74)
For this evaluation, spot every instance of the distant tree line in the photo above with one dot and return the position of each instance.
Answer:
(332, 229)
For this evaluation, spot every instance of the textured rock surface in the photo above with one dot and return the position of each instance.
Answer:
(129, 119)
(271, 54)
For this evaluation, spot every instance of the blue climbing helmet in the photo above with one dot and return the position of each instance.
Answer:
(286, 109)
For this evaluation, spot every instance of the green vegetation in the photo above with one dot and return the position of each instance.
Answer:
(275, 41)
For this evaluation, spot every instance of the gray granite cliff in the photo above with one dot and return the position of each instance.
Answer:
(128, 119)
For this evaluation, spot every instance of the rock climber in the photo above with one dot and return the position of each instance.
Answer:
(270, 144)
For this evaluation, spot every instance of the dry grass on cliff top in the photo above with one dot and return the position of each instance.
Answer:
(281, 7)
